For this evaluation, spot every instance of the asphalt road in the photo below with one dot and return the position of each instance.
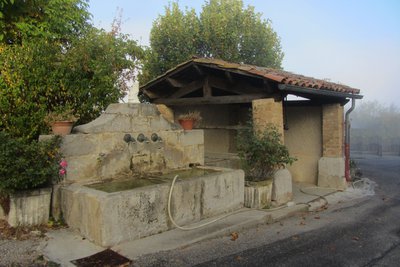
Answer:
(361, 232)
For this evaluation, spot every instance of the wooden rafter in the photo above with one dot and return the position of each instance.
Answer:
(207, 91)
(187, 89)
(198, 70)
(267, 86)
(210, 100)
(237, 88)
(150, 94)
(229, 77)
(174, 82)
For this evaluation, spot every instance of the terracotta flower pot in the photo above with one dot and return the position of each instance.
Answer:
(62, 127)
(186, 124)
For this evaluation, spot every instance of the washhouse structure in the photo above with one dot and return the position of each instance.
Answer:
(308, 112)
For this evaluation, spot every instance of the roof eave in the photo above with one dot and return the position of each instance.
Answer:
(318, 92)
(169, 72)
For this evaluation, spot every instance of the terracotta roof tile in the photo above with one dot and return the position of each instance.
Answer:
(280, 76)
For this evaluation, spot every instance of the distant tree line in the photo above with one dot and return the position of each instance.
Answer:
(375, 128)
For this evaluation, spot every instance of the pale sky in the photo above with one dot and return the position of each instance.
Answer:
(353, 42)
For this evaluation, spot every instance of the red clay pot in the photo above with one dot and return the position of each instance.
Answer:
(62, 127)
(186, 124)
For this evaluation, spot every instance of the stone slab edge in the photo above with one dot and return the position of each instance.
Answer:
(265, 217)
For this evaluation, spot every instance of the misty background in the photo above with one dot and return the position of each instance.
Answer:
(375, 128)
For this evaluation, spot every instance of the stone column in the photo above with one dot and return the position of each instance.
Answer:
(331, 167)
(268, 111)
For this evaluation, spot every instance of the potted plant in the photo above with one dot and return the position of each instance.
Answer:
(27, 171)
(189, 119)
(261, 154)
(61, 120)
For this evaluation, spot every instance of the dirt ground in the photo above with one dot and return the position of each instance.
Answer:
(20, 246)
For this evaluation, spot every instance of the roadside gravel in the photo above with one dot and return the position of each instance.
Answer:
(21, 246)
(21, 252)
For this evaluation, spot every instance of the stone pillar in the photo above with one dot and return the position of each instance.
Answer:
(268, 111)
(332, 130)
(331, 168)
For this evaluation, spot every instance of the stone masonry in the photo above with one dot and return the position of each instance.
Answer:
(108, 219)
(268, 111)
(331, 165)
(97, 150)
(332, 132)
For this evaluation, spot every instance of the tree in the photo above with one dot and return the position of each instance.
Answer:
(68, 63)
(54, 20)
(375, 124)
(224, 29)
(38, 77)
(173, 39)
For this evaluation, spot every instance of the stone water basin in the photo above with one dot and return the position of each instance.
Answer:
(124, 183)
(118, 211)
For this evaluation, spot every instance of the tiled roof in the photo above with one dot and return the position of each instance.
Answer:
(279, 76)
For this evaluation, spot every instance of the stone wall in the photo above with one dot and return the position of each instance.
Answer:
(111, 218)
(268, 111)
(303, 138)
(219, 124)
(98, 150)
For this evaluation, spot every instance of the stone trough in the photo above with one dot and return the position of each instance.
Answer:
(111, 218)
(134, 140)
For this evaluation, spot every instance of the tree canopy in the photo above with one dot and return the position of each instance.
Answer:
(224, 29)
(56, 19)
(55, 58)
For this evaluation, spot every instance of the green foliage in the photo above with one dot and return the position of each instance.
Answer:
(53, 20)
(261, 153)
(96, 70)
(51, 57)
(27, 165)
(224, 29)
(232, 32)
(39, 76)
(64, 113)
(25, 84)
(173, 39)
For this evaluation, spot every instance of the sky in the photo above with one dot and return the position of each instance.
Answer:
(352, 42)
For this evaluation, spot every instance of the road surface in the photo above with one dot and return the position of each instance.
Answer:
(360, 232)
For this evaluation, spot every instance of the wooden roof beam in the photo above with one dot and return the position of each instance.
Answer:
(150, 94)
(198, 69)
(232, 99)
(228, 76)
(174, 82)
(238, 88)
(187, 89)
(267, 86)
(207, 91)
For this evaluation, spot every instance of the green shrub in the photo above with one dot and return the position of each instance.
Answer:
(261, 153)
(27, 164)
